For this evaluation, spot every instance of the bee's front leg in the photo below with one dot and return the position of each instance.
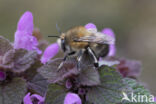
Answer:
(64, 59)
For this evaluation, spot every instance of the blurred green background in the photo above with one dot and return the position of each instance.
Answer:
(133, 21)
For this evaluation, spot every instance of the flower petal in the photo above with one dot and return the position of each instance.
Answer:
(112, 48)
(27, 99)
(72, 98)
(91, 27)
(68, 84)
(50, 52)
(23, 36)
(26, 22)
(109, 32)
(40, 98)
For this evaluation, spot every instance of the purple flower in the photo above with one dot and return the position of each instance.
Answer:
(155, 99)
(33, 99)
(129, 68)
(72, 98)
(91, 27)
(112, 47)
(50, 52)
(81, 91)
(68, 84)
(2, 76)
(23, 35)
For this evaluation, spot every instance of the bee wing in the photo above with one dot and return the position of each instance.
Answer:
(97, 38)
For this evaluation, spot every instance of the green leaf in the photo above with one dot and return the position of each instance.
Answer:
(38, 84)
(55, 94)
(5, 45)
(50, 70)
(13, 92)
(137, 89)
(89, 76)
(109, 92)
(8, 57)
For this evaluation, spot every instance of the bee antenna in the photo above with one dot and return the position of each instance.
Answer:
(54, 36)
(58, 28)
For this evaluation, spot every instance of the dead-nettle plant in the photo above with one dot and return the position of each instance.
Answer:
(29, 73)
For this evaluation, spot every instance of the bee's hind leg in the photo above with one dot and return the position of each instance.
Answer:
(96, 64)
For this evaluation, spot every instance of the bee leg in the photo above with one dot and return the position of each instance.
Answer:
(96, 64)
(79, 60)
(64, 59)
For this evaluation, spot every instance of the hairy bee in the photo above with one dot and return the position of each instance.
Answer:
(78, 40)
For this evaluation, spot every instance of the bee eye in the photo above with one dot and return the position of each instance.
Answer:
(63, 45)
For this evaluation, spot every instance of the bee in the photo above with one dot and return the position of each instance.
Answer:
(78, 40)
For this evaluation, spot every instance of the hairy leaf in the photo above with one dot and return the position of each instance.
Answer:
(137, 89)
(13, 92)
(109, 92)
(89, 76)
(38, 84)
(50, 70)
(19, 60)
(5, 46)
(55, 94)
(23, 59)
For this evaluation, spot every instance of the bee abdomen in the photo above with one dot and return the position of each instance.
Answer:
(100, 50)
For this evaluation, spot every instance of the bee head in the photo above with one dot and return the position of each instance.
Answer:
(61, 41)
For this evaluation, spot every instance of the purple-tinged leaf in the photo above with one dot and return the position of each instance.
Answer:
(5, 46)
(19, 60)
(55, 94)
(129, 68)
(38, 84)
(50, 70)
(89, 76)
(13, 92)
(23, 60)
